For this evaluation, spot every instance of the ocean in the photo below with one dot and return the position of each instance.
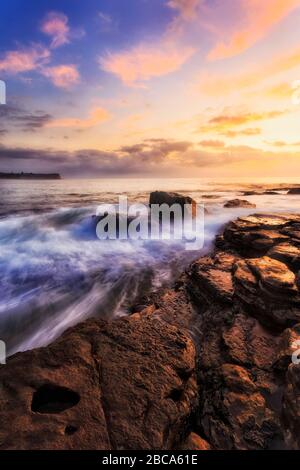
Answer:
(55, 272)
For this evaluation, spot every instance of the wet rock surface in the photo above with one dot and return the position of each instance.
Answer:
(239, 203)
(205, 365)
(168, 198)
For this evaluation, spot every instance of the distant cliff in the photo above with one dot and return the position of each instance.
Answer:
(31, 176)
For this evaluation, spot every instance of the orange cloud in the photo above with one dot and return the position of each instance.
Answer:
(281, 91)
(24, 60)
(238, 119)
(260, 16)
(212, 144)
(62, 76)
(242, 132)
(281, 143)
(144, 62)
(97, 116)
(226, 124)
(56, 26)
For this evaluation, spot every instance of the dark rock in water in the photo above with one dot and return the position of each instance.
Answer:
(162, 197)
(294, 191)
(210, 196)
(251, 193)
(239, 203)
(268, 192)
(128, 384)
(207, 364)
(271, 193)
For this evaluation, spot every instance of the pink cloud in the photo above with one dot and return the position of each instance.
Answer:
(257, 19)
(56, 26)
(24, 60)
(62, 76)
(143, 62)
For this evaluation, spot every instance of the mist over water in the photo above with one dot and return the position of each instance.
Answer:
(55, 272)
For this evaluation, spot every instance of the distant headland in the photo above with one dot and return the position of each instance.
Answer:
(30, 176)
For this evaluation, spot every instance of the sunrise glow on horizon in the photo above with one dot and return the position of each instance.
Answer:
(151, 88)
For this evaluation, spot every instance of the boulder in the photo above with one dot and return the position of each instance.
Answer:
(162, 197)
(234, 203)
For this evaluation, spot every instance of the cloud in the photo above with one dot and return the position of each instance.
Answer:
(56, 26)
(229, 124)
(280, 91)
(15, 116)
(187, 9)
(250, 131)
(243, 118)
(36, 58)
(140, 63)
(217, 144)
(216, 85)
(258, 18)
(97, 116)
(143, 62)
(24, 60)
(166, 146)
(281, 143)
(157, 157)
(62, 76)
(106, 22)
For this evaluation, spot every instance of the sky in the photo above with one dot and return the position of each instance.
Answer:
(151, 88)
